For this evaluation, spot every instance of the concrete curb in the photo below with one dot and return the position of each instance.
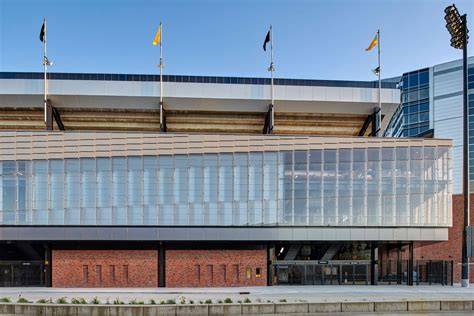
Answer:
(237, 309)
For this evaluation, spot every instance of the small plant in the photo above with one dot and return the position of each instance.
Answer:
(239, 301)
(107, 302)
(247, 300)
(22, 300)
(169, 302)
(228, 300)
(5, 300)
(219, 302)
(208, 301)
(43, 301)
(95, 301)
(182, 301)
(282, 300)
(191, 302)
(117, 301)
(201, 302)
(152, 302)
(61, 300)
(135, 302)
(162, 302)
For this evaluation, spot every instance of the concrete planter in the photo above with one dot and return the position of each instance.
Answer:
(418, 306)
(456, 305)
(324, 307)
(283, 308)
(391, 306)
(225, 309)
(258, 308)
(364, 307)
(234, 309)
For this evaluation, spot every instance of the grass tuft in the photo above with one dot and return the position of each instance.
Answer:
(43, 301)
(22, 300)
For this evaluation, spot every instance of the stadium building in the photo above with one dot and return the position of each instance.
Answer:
(221, 189)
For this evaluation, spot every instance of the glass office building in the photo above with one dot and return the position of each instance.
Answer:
(431, 106)
(412, 117)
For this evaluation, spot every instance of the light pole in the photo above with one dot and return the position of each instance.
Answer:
(457, 27)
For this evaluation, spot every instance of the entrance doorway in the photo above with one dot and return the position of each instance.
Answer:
(20, 273)
(317, 273)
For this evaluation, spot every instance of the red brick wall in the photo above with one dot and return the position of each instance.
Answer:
(451, 249)
(104, 268)
(215, 268)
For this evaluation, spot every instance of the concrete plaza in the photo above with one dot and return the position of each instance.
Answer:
(310, 294)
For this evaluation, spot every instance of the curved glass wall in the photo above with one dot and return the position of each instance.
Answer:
(412, 116)
(402, 186)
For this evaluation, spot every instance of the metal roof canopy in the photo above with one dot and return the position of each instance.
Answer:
(196, 107)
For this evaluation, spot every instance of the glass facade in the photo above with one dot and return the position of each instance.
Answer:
(384, 186)
(412, 116)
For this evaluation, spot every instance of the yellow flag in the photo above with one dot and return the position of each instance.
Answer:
(157, 39)
(372, 44)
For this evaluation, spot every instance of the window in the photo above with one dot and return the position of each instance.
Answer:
(210, 274)
(98, 274)
(197, 272)
(85, 274)
(248, 272)
(224, 273)
(125, 273)
(112, 273)
(424, 78)
(258, 273)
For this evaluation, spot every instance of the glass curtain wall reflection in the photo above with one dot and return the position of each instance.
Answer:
(387, 186)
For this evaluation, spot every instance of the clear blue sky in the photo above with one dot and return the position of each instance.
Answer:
(322, 39)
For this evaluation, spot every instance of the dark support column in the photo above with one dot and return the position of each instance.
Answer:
(365, 125)
(270, 254)
(163, 128)
(57, 118)
(399, 263)
(375, 122)
(411, 264)
(374, 263)
(161, 265)
(49, 115)
(268, 126)
(47, 265)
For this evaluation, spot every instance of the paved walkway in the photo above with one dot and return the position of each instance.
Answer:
(255, 294)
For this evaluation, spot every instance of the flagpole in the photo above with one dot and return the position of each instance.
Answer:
(161, 77)
(379, 112)
(272, 70)
(45, 78)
